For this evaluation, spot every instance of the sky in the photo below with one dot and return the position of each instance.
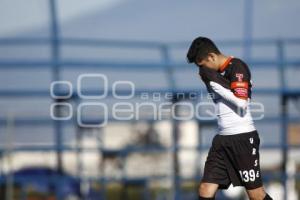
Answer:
(168, 20)
(17, 16)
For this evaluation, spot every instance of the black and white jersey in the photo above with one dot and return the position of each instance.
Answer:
(231, 92)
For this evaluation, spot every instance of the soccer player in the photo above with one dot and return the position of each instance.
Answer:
(234, 155)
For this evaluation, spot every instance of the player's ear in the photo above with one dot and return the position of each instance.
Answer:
(212, 57)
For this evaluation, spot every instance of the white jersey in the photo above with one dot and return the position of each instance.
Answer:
(231, 118)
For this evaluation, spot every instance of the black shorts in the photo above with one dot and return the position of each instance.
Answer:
(234, 159)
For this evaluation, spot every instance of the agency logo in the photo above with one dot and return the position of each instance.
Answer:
(112, 102)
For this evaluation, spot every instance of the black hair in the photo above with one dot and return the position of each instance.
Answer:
(200, 48)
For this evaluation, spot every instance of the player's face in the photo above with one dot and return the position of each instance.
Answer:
(209, 61)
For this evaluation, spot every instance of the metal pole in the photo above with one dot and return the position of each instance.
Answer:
(55, 77)
(199, 150)
(284, 116)
(248, 28)
(79, 156)
(175, 124)
(9, 151)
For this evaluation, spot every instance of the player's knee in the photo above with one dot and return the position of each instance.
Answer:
(258, 194)
(204, 189)
(207, 190)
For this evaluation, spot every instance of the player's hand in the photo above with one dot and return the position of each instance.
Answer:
(203, 75)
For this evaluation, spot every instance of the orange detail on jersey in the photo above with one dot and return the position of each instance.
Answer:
(241, 92)
(239, 85)
(225, 64)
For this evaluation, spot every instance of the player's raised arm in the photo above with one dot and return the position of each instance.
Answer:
(207, 75)
(222, 86)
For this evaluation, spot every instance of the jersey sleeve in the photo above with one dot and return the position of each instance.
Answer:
(240, 81)
(208, 75)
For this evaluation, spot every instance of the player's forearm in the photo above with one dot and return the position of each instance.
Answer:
(207, 75)
(228, 95)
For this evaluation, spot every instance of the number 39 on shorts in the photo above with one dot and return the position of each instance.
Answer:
(249, 175)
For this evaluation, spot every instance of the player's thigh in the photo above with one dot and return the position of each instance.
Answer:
(256, 194)
(208, 189)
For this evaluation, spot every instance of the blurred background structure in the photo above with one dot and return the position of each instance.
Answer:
(144, 43)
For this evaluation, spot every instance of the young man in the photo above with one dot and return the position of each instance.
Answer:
(234, 155)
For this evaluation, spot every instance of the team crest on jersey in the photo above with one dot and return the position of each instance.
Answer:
(239, 76)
